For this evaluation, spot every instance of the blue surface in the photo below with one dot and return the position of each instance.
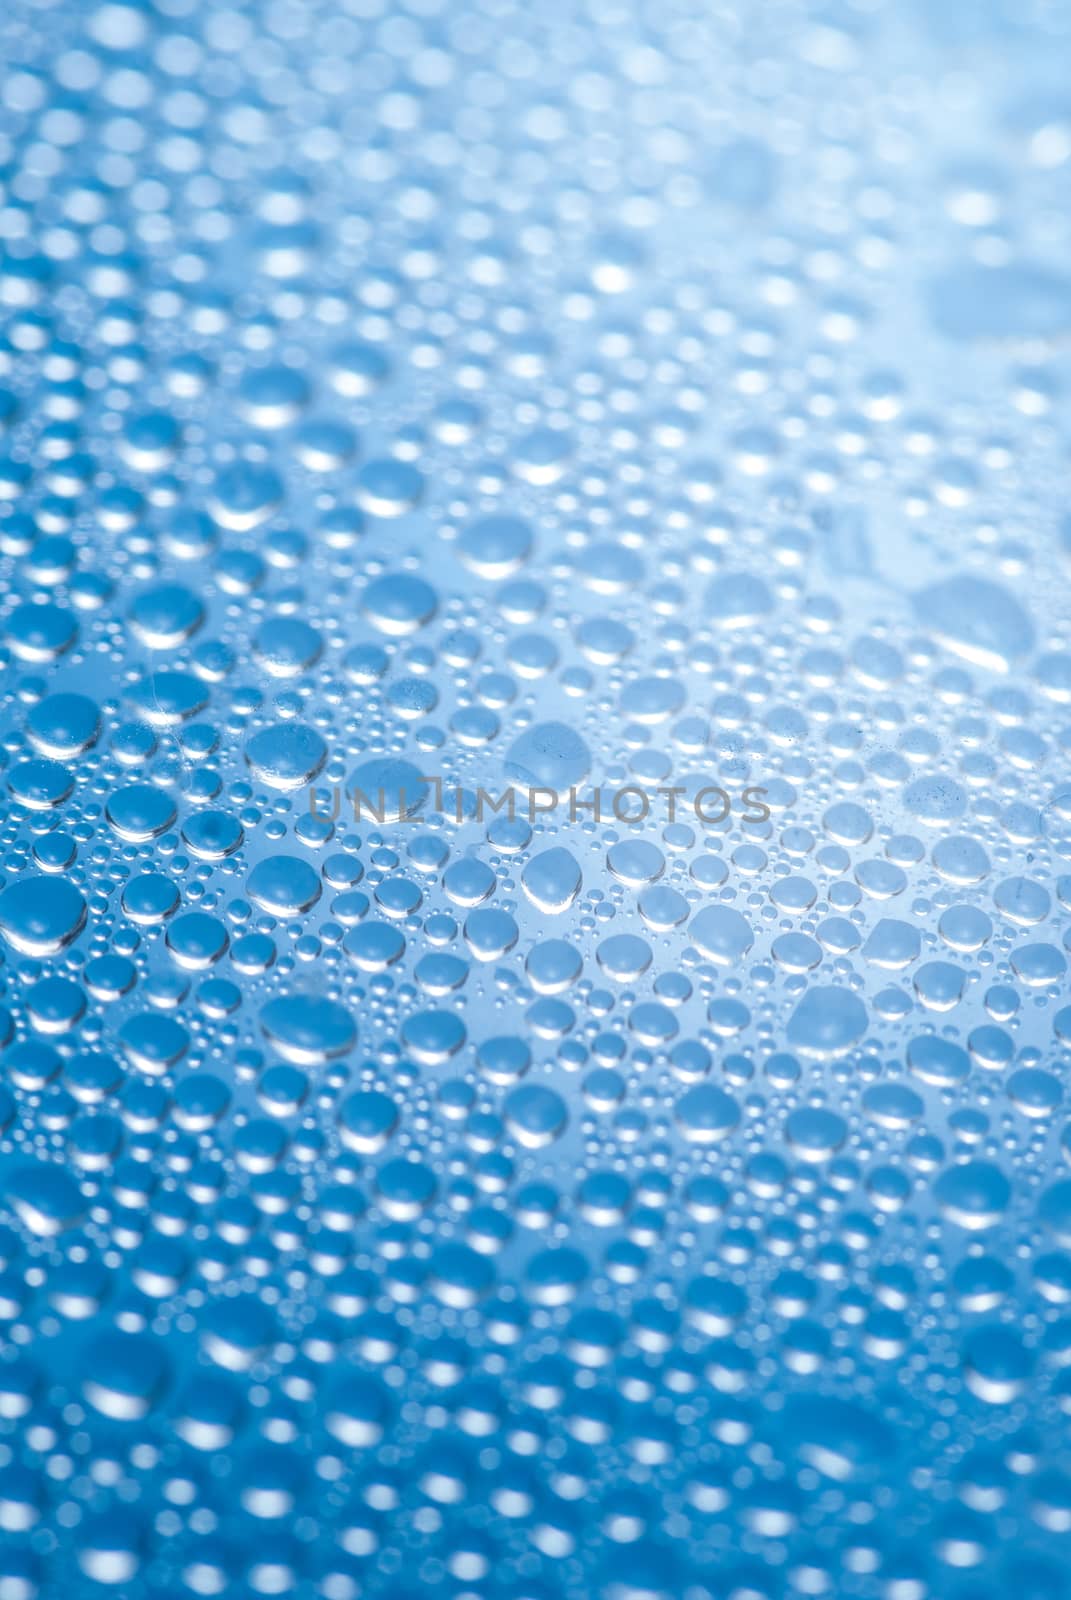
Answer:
(536, 800)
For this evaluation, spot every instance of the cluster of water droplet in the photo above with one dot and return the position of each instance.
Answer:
(401, 397)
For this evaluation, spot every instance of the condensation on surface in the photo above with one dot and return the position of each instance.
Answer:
(536, 782)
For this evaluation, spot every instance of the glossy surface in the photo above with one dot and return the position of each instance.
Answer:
(414, 1182)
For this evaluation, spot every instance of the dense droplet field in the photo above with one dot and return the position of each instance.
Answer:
(536, 799)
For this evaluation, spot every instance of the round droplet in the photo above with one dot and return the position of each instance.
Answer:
(283, 885)
(549, 755)
(721, 934)
(535, 1115)
(308, 1029)
(39, 916)
(495, 546)
(399, 603)
(287, 756)
(706, 1114)
(827, 1022)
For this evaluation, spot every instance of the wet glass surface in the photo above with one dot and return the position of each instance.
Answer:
(536, 800)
